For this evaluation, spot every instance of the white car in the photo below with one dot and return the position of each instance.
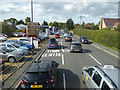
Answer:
(2, 38)
(101, 77)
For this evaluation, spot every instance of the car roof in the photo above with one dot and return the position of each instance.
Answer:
(75, 42)
(113, 74)
(42, 66)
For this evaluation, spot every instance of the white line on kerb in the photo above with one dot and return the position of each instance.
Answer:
(95, 59)
(64, 83)
(63, 59)
(106, 51)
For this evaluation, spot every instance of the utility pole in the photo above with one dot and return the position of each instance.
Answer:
(80, 24)
(32, 10)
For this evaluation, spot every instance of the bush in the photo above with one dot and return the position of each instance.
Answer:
(108, 38)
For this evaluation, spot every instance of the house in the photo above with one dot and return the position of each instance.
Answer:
(109, 23)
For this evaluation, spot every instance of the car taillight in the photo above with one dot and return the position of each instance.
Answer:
(56, 44)
(71, 46)
(48, 44)
(22, 81)
(51, 80)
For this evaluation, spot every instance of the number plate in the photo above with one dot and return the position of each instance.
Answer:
(36, 86)
(76, 50)
(52, 45)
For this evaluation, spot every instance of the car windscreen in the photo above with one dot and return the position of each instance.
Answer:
(9, 50)
(84, 37)
(37, 75)
(16, 45)
(76, 44)
(52, 41)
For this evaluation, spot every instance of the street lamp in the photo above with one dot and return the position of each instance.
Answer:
(80, 24)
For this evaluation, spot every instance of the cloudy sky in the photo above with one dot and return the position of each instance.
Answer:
(59, 10)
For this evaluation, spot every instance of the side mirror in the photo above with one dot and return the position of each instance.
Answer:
(56, 64)
(86, 70)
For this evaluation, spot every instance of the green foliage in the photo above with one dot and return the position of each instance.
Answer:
(12, 20)
(27, 20)
(8, 29)
(106, 29)
(108, 38)
(70, 24)
(20, 22)
(45, 23)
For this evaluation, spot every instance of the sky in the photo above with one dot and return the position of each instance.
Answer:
(59, 10)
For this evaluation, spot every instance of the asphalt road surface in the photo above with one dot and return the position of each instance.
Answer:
(71, 64)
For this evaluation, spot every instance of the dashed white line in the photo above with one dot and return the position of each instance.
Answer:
(63, 62)
(95, 59)
(64, 82)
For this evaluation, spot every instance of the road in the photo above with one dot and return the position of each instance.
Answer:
(71, 64)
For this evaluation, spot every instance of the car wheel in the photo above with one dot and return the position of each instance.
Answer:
(11, 59)
(83, 80)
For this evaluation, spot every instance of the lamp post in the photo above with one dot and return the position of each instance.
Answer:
(80, 24)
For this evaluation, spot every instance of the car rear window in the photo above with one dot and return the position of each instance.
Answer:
(76, 44)
(84, 37)
(52, 41)
(37, 75)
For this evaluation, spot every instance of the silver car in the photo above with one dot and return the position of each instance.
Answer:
(102, 77)
(17, 47)
(11, 55)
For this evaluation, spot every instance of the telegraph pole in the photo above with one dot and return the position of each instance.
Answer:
(32, 10)
(80, 24)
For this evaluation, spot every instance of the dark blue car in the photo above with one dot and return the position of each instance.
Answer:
(21, 43)
(53, 43)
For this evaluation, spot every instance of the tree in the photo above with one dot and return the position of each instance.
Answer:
(27, 20)
(70, 24)
(20, 22)
(12, 20)
(45, 23)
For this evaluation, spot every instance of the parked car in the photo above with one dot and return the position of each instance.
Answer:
(2, 64)
(3, 34)
(53, 43)
(57, 36)
(3, 38)
(42, 36)
(101, 77)
(11, 55)
(24, 39)
(17, 47)
(24, 44)
(42, 74)
(84, 39)
(68, 39)
(76, 47)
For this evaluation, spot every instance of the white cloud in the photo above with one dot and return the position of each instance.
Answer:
(68, 7)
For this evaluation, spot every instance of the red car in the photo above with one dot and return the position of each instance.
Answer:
(57, 36)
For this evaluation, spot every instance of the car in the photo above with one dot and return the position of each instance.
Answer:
(65, 35)
(15, 46)
(76, 47)
(104, 77)
(2, 64)
(2, 37)
(24, 44)
(57, 36)
(53, 43)
(24, 39)
(84, 39)
(11, 55)
(42, 74)
(37, 39)
(71, 34)
(68, 39)
(3, 34)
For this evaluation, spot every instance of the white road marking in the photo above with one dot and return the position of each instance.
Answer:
(95, 59)
(18, 84)
(63, 62)
(64, 82)
(106, 51)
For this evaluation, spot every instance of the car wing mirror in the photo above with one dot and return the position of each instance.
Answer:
(4, 52)
(56, 64)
